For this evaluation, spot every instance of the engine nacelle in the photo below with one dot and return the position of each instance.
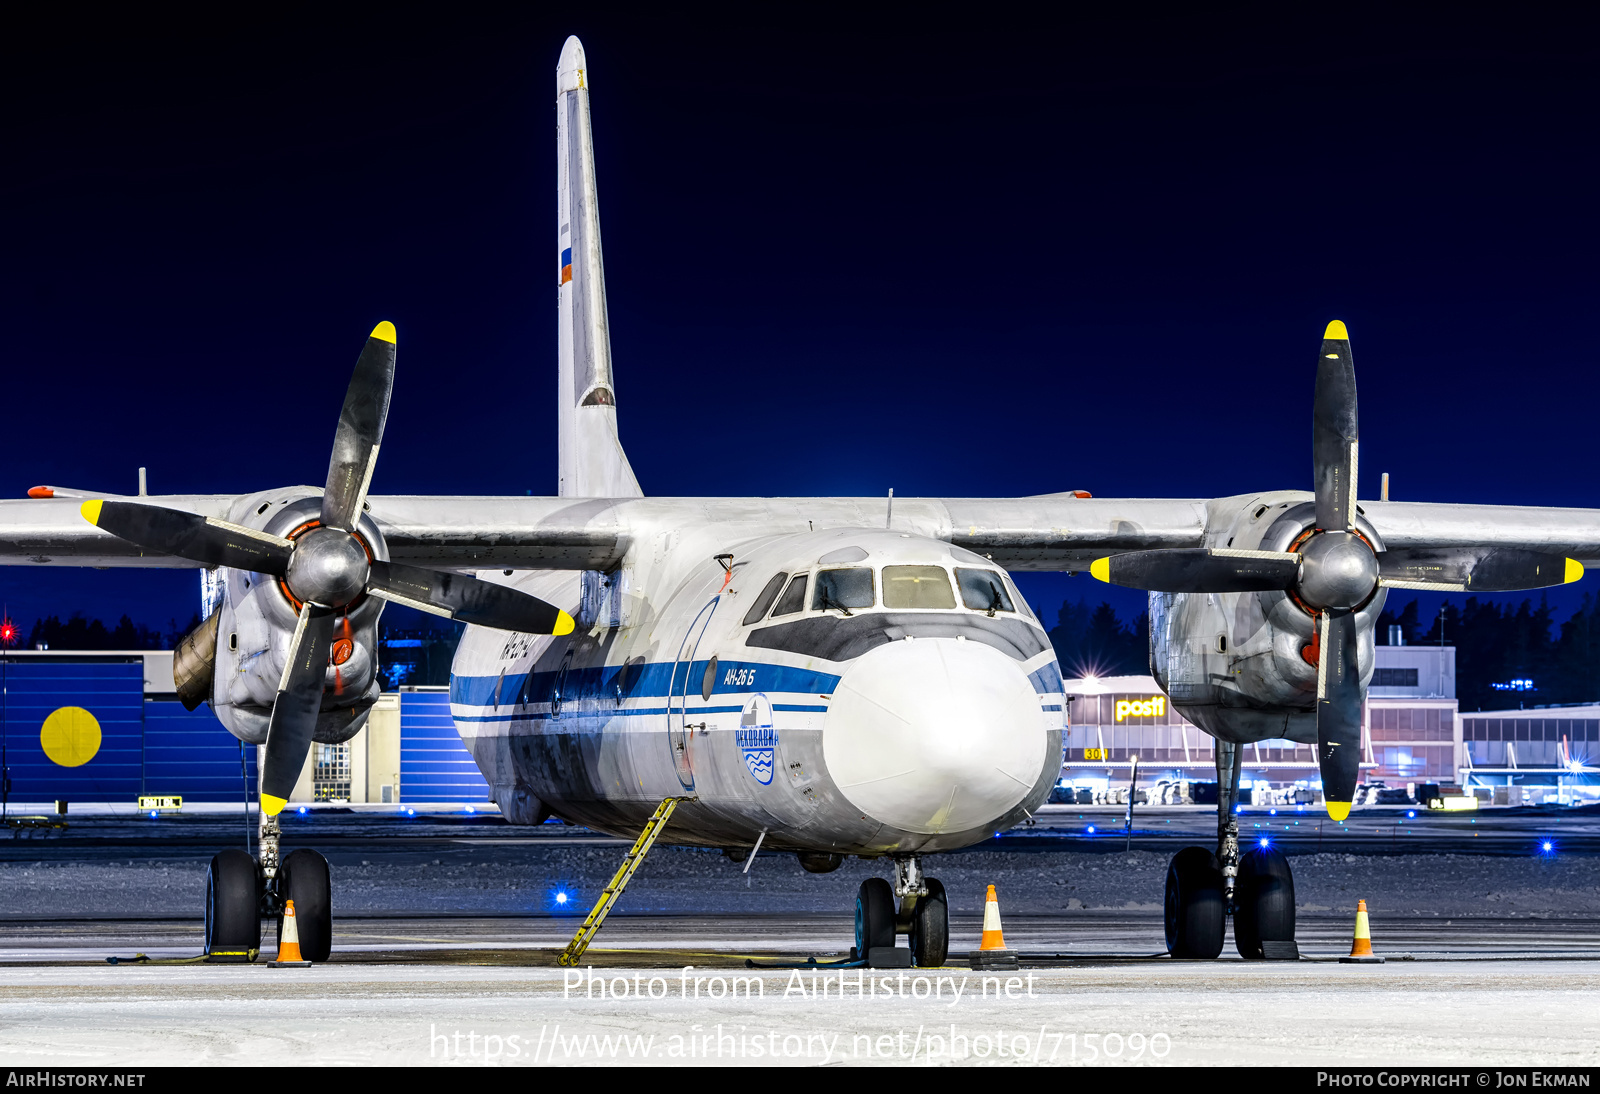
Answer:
(257, 619)
(1243, 666)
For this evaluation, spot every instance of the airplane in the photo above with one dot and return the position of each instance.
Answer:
(833, 677)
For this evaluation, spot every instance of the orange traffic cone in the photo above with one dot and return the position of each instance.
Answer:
(289, 943)
(991, 952)
(1361, 946)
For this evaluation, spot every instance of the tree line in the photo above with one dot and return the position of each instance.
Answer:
(1496, 643)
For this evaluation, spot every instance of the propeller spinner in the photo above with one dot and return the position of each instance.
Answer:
(1333, 571)
(327, 567)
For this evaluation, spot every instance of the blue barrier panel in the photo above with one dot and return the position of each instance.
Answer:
(57, 753)
(189, 753)
(435, 765)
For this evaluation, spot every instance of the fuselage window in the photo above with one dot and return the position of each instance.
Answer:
(841, 590)
(983, 591)
(917, 587)
(794, 598)
(769, 593)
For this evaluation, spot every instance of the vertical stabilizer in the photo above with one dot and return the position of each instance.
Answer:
(593, 464)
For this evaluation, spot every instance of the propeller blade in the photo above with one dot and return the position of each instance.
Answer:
(355, 444)
(189, 535)
(1333, 433)
(459, 596)
(1200, 570)
(294, 711)
(1505, 570)
(1339, 698)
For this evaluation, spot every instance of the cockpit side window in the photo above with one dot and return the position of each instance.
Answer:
(841, 590)
(917, 587)
(794, 598)
(983, 591)
(764, 600)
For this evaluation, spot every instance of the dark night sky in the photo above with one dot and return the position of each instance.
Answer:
(953, 258)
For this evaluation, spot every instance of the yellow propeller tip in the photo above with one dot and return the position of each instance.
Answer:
(1574, 571)
(384, 332)
(1336, 332)
(1100, 569)
(564, 624)
(271, 805)
(91, 511)
(1338, 810)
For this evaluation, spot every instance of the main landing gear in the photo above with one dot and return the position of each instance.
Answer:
(240, 891)
(923, 914)
(1255, 887)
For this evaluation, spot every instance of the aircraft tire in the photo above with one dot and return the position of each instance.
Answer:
(233, 904)
(930, 928)
(303, 878)
(1263, 901)
(874, 916)
(1196, 911)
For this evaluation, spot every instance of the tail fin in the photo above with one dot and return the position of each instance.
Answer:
(593, 464)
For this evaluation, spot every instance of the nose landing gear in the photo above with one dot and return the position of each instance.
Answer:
(923, 914)
(1256, 888)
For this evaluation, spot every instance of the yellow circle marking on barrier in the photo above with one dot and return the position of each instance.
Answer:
(70, 736)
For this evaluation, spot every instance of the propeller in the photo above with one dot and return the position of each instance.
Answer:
(326, 568)
(1333, 570)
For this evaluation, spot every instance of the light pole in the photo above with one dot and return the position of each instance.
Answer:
(8, 635)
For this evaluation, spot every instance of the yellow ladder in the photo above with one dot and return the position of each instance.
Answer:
(602, 908)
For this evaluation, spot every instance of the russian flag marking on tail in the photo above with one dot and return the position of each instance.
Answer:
(566, 265)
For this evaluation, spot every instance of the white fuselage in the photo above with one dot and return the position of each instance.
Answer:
(900, 720)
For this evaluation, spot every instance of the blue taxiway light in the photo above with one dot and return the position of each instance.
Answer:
(153, 813)
(1091, 829)
(561, 898)
(302, 809)
(1264, 841)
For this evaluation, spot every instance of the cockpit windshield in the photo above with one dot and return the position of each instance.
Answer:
(917, 587)
(842, 590)
(983, 591)
(794, 598)
(764, 599)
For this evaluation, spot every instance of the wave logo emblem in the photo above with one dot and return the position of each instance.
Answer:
(757, 739)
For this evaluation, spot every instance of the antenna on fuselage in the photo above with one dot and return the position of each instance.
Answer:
(888, 519)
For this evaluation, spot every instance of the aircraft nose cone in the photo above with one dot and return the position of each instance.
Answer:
(934, 735)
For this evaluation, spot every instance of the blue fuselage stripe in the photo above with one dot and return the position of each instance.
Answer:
(653, 681)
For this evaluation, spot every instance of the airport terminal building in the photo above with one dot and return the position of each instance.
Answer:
(1411, 730)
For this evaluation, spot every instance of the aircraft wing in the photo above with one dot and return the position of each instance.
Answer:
(1411, 525)
(1057, 532)
(53, 532)
(445, 532)
(1066, 533)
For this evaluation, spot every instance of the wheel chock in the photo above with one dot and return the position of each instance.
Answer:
(889, 957)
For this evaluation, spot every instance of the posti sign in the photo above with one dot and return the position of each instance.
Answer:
(1153, 707)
